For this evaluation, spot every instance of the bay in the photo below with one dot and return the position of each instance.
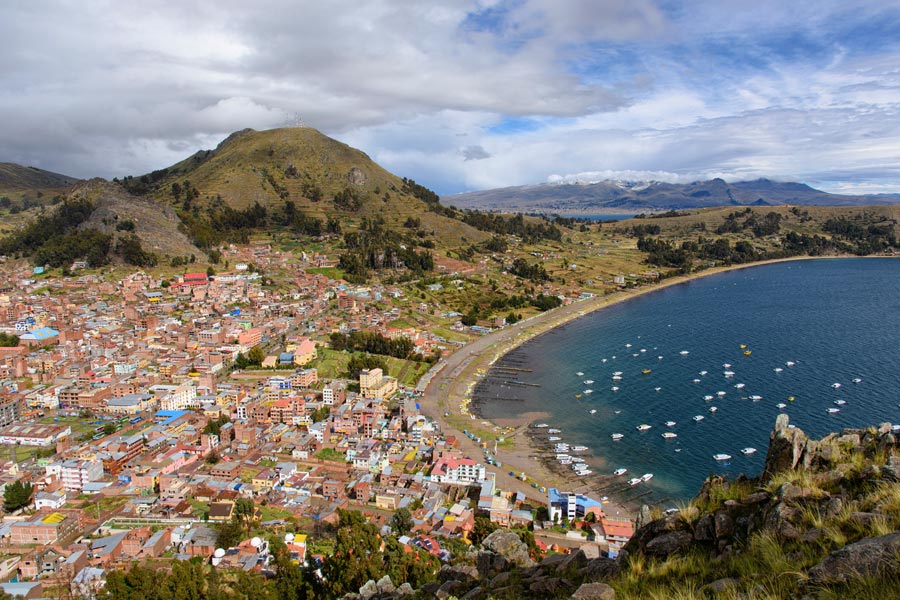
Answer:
(836, 320)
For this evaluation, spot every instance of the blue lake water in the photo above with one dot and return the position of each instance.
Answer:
(837, 320)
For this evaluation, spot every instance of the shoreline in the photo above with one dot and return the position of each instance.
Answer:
(447, 390)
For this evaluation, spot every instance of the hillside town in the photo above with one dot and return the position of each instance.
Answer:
(140, 416)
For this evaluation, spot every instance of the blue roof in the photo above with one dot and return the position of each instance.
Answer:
(171, 414)
(41, 333)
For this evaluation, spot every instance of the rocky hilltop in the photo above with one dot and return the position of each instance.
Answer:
(821, 521)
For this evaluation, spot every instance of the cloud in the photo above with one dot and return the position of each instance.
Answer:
(536, 87)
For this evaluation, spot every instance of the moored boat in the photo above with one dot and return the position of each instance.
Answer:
(722, 456)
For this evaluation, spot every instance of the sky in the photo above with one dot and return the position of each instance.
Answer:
(466, 95)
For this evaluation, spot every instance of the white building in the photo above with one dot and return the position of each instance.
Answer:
(74, 474)
(450, 469)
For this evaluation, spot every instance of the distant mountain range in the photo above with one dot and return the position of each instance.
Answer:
(621, 196)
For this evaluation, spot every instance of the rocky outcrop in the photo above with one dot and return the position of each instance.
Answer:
(871, 556)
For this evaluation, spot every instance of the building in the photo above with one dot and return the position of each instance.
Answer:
(374, 384)
(34, 435)
(10, 411)
(44, 528)
(75, 473)
(569, 505)
(452, 469)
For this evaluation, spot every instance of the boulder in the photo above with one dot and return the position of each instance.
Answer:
(868, 557)
(464, 573)
(724, 525)
(368, 590)
(405, 590)
(474, 594)
(672, 542)
(574, 560)
(508, 545)
(385, 585)
(705, 530)
(720, 587)
(550, 587)
(786, 447)
(594, 591)
(600, 569)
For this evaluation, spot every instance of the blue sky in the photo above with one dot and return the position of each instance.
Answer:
(467, 94)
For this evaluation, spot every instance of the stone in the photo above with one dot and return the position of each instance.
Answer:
(600, 569)
(574, 560)
(834, 507)
(368, 590)
(501, 579)
(464, 573)
(755, 498)
(812, 535)
(724, 525)
(669, 543)
(548, 586)
(356, 177)
(705, 530)
(451, 588)
(864, 519)
(473, 594)
(385, 585)
(720, 586)
(868, 557)
(786, 447)
(594, 591)
(405, 590)
(508, 545)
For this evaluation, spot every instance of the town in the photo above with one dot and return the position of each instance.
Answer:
(195, 417)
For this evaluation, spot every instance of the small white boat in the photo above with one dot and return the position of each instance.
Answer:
(740, 386)
(588, 391)
(835, 385)
(541, 425)
(722, 456)
(790, 363)
(617, 436)
(708, 397)
(857, 380)
(657, 388)
(748, 450)
(554, 430)
(634, 481)
(756, 398)
(620, 471)
(643, 427)
(554, 438)
(659, 357)
(669, 435)
(643, 350)
(728, 373)
(615, 388)
(635, 355)
(583, 472)
(593, 411)
(670, 423)
(840, 402)
(646, 476)
(580, 448)
(726, 365)
(603, 360)
(778, 369)
(832, 410)
(781, 405)
(628, 345)
(588, 381)
(579, 466)
(720, 394)
(703, 373)
(713, 409)
(580, 374)
(698, 418)
(617, 373)
(684, 353)
(617, 378)
(696, 381)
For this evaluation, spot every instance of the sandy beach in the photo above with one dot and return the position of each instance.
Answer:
(448, 386)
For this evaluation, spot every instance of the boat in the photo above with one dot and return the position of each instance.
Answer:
(646, 371)
(643, 350)
(634, 481)
(781, 405)
(832, 410)
(593, 411)
(617, 436)
(721, 456)
(657, 388)
(704, 373)
(778, 369)
(628, 345)
(720, 394)
(578, 395)
(791, 398)
(541, 425)
(554, 438)
(580, 448)
(617, 373)
(669, 435)
(740, 386)
(554, 430)
(743, 346)
(588, 381)
(615, 388)
(696, 381)
(698, 418)
(756, 398)
(588, 391)
(670, 423)
(617, 378)
(708, 397)
(713, 409)
(646, 476)
(580, 374)
(643, 427)
(748, 450)
(748, 352)
(835, 385)
(726, 365)
(620, 471)
(790, 363)
(579, 466)
(857, 380)
(684, 353)
(583, 472)
(840, 402)
(603, 360)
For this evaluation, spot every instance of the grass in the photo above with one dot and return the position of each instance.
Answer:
(330, 454)
(329, 272)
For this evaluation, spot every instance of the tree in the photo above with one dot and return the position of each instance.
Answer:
(402, 522)
(16, 495)
(245, 512)
(109, 429)
(256, 355)
(240, 361)
(290, 582)
(229, 533)
(356, 557)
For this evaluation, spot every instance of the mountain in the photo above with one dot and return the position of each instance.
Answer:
(15, 179)
(618, 196)
(322, 177)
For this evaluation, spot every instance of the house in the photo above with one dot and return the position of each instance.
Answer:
(221, 511)
(569, 505)
(456, 470)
